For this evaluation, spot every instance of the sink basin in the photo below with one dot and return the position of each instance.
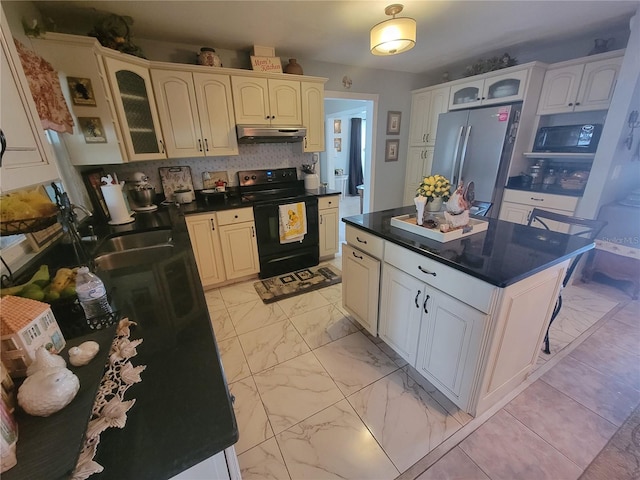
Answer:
(133, 248)
(134, 240)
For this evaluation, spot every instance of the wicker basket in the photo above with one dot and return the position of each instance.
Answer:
(27, 225)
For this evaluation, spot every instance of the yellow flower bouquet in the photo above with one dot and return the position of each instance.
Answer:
(434, 186)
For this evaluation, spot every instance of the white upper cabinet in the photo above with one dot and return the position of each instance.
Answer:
(27, 157)
(135, 104)
(426, 106)
(579, 87)
(313, 116)
(489, 89)
(196, 114)
(262, 101)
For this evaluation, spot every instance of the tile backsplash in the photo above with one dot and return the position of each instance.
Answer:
(251, 157)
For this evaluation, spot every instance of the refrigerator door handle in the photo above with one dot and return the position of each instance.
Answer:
(464, 154)
(455, 154)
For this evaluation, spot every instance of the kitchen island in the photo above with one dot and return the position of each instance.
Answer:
(469, 314)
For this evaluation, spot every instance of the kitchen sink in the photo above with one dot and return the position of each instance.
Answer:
(133, 248)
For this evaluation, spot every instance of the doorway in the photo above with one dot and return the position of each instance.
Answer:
(339, 108)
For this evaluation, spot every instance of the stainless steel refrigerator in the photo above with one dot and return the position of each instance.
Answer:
(476, 146)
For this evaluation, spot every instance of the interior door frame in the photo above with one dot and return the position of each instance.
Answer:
(371, 107)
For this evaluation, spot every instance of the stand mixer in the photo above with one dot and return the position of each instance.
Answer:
(142, 193)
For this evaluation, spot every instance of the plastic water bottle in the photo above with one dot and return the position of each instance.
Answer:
(92, 294)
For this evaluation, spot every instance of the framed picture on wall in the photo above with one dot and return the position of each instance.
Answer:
(92, 130)
(391, 151)
(337, 144)
(393, 123)
(81, 91)
(337, 126)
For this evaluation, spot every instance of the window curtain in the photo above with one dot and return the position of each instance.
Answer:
(45, 90)
(355, 156)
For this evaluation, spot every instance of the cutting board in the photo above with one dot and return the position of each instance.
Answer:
(176, 178)
(209, 179)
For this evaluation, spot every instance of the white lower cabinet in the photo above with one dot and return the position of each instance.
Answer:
(328, 217)
(360, 285)
(205, 241)
(224, 245)
(518, 204)
(239, 243)
(449, 344)
(401, 311)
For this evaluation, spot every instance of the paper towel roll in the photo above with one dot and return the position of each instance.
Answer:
(115, 204)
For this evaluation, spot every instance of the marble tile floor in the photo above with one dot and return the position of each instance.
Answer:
(318, 398)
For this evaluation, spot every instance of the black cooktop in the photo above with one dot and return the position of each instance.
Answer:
(272, 185)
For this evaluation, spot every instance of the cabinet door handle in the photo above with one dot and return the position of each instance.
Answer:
(357, 256)
(416, 299)
(206, 145)
(361, 241)
(537, 199)
(577, 103)
(320, 219)
(426, 271)
(424, 305)
(3, 145)
(253, 232)
(427, 138)
(162, 147)
(199, 145)
(571, 104)
(213, 225)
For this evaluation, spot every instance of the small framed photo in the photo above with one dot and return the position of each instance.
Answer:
(391, 151)
(43, 238)
(337, 144)
(393, 123)
(81, 91)
(337, 126)
(91, 128)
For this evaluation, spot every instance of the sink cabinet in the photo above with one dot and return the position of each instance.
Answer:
(266, 101)
(196, 113)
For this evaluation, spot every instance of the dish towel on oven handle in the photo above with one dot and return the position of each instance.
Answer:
(292, 222)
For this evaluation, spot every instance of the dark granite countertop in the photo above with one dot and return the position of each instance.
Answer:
(182, 413)
(502, 255)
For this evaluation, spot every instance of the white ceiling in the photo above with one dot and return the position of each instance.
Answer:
(449, 32)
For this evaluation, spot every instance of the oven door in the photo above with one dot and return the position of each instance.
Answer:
(275, 257)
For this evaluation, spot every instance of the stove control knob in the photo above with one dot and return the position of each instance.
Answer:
(246, 177)
(253, 177)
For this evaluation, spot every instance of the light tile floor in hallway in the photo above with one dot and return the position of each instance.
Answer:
(318, 398)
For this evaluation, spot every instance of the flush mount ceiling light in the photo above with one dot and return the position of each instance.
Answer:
(393, 36)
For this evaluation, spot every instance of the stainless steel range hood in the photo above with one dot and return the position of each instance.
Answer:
(265, 134)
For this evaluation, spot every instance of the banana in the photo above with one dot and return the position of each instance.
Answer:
(63, 278)
(41, 275)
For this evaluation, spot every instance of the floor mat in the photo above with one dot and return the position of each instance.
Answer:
(294, 283)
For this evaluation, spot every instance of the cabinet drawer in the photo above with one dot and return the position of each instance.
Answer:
(542, 200)
(229, 217)
(329, 202)
(364, 241)
(465, 288)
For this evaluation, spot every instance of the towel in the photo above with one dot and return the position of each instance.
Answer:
(293, 222)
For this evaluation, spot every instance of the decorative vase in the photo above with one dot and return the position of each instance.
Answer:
(435, 205)
(420, 202)
(209, 57)
(293, 67)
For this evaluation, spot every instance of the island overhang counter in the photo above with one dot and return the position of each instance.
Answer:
(470, 314)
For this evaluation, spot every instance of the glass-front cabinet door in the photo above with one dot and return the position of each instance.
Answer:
(135, 105)
(466, 95)
(501, 88)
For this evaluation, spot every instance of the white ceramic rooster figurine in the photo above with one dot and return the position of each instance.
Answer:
(458, 203)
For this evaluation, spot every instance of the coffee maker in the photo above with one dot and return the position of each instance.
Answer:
(142, 194)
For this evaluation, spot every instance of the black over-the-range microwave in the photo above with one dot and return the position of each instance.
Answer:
(568, 138)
